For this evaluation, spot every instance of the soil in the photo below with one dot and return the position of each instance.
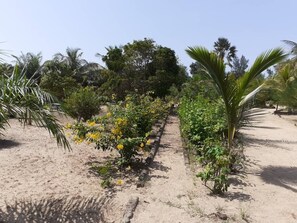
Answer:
(33, 169)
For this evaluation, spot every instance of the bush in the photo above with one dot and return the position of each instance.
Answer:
(216, 162)
(125, 127)
(82, 104)
(201, 119)
(203, 125)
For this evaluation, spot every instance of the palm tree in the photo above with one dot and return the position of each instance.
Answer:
(72, 62)
(232, 90)
(31, 64)
(22, 98)
(284, 85)
(224, 50)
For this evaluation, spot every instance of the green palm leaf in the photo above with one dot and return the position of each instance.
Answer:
(230, 89)
(24, 99)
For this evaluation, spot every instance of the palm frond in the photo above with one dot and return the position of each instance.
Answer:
(24, 99)
(214, 66)
(250, 95)
(292, 44)
(262, 62)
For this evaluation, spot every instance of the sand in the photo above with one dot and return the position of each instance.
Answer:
(33, 168)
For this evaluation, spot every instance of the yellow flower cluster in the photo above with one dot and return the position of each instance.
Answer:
(90, 123)
(68, 126)
(120, 146)
(121, 122)
(116, 131)
(93, 136)
(78, 139)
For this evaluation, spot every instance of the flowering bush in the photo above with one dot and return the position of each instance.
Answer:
(125, 127)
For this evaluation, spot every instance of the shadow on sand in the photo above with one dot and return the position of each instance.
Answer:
(8, 144)
(62, 209)
(277, 144)
(281, 176)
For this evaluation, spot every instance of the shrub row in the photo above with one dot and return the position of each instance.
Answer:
(203, 125)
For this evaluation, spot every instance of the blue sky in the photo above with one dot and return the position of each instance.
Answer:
(50, 26)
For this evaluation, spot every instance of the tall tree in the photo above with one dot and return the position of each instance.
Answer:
(233, 91)
(224, 50)
(239, 66)
(72, 62)
(31, 63)
(141, 65)
(284, 85)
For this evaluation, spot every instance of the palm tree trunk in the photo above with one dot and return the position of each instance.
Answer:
(231, 131)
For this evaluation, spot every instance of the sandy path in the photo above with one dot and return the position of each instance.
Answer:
(272, 172)
(165, 196)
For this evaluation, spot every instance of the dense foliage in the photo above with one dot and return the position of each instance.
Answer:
(203, 125)
(233, 91)
(144, 66)
(82, 104)
(22, 98)
(124, 128)
(283, 85)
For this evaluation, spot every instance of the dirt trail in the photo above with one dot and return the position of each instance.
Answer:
(165, 196)
(271, 149)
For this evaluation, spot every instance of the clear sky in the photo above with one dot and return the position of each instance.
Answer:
(50, 26)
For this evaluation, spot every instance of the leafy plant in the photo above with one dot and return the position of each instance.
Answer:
(216, 161)
(105, 172)
(124, 128)
(232, 90)
(22, 98)
(201, 119)
(83, 104)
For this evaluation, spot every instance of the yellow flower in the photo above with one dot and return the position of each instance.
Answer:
(121, 122)
(142, 145)
(116, 131)
(108, 115)
(148, 142)
(120, 182)
(68, 126)
(94, 136)
(91, 123)
(120, 146)
(79, 140)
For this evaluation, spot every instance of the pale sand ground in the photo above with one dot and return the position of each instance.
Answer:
(32, 167)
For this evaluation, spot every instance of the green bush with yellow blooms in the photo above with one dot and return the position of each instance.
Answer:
(125, 127)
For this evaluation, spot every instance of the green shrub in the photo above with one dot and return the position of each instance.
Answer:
(216, 162)
(201, 119)
(82, 104)
(124, 128)
(203, 125)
